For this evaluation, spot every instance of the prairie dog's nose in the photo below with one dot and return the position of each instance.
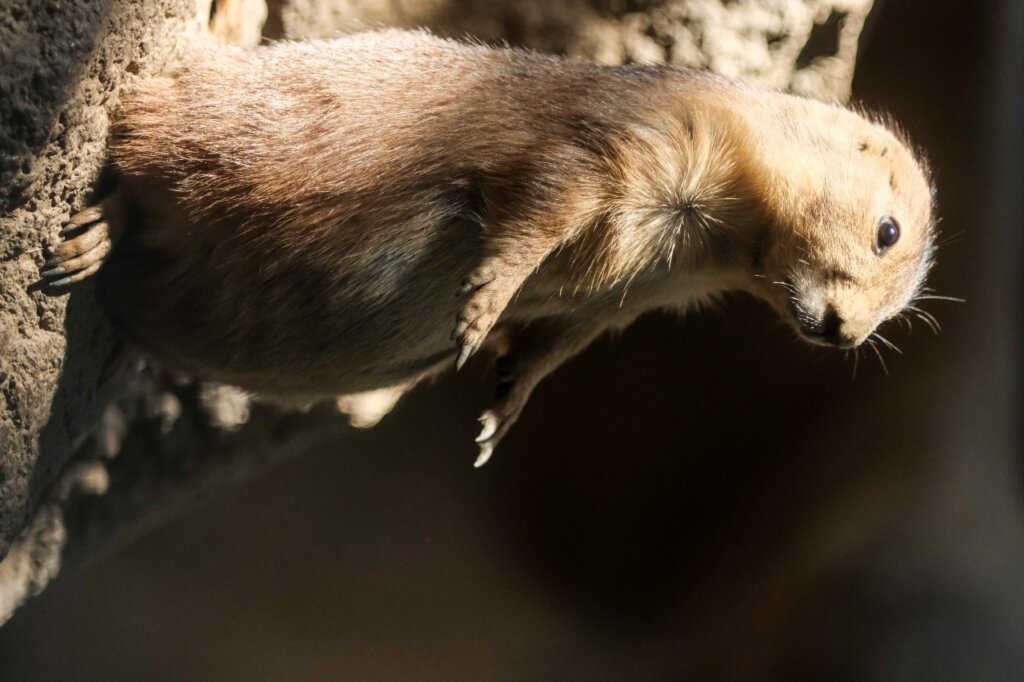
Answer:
(828, 329)
(831, 325)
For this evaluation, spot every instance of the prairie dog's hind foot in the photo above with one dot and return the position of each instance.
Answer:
(86, 241)
(535, 352)
(517, 376)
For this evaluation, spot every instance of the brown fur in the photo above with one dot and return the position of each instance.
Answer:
(306, 213)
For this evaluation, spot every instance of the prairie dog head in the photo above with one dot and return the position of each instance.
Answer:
(854, 235)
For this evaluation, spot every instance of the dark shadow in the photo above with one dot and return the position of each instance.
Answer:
(823, 41)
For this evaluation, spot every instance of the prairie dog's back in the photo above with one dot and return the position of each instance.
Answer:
(382, 113)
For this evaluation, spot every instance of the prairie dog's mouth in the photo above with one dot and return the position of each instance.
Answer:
(822, 328)
(826, 339)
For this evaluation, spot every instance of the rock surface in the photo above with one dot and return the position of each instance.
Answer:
(64, 66)
(804, 46)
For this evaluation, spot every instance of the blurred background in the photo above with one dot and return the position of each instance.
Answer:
(706, 499)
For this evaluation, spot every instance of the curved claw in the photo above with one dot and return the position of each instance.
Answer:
(485, 454)
(57, 266)
(490, 425)
(86, 241)
(71, 279)
(495, 423)
(87, 215)
(465, 353)
(488, 437)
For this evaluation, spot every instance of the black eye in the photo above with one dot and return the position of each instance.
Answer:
(888, 234)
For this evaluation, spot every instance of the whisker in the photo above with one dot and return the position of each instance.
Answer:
(926, 317)
(933, 297)
(887, 342)
(929, 320)
(947, 240)
(787, 286)
(856, 357)
(878, 354)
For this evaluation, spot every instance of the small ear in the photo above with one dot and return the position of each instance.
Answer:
(865, 145)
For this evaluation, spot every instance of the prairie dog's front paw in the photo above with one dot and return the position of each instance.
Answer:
(486, 295)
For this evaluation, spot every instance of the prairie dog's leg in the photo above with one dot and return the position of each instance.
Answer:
(490, 286)
(536, 352)
(86, 239)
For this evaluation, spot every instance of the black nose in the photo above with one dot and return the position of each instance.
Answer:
(831, 325)
(828, 328)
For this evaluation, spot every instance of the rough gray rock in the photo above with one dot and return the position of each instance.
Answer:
(804, 46)
(64, 66)
(91, 445)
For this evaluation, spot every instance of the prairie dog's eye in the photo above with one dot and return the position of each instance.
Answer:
(888, 234)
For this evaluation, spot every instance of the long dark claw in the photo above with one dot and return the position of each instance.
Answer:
(52, 271)
(77, 277)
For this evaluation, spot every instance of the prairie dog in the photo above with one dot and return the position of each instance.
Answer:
(347, 217)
